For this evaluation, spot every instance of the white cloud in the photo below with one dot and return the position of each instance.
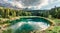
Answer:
(17, 4)
(44, 3)
(52, 4)
(54, 1)
(31, 4)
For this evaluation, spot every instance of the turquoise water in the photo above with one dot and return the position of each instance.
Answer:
(27, 25)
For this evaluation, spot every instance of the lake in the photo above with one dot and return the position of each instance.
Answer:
(27, 25)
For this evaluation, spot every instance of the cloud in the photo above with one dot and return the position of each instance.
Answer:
(36, 4)
(54, 1)
(52, 4)
(31, 4)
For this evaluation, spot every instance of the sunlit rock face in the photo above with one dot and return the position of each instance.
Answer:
(30, 24)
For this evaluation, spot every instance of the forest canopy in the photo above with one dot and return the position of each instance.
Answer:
(7, 12)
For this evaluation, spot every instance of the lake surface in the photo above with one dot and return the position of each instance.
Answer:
(27, 25)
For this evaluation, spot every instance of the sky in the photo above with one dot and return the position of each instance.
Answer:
(30, 4)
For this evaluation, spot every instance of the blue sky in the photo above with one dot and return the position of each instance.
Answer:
(31, 4)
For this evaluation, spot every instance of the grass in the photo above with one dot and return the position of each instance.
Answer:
(56, 28)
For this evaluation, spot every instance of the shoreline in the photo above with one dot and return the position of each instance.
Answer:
(14, 18)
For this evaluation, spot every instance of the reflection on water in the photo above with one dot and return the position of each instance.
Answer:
(30, 24)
